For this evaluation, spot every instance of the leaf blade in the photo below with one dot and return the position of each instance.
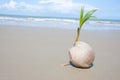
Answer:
(87, 16)
(93, 17)
(81, 15)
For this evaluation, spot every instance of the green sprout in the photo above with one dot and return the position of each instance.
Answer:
(83, 19)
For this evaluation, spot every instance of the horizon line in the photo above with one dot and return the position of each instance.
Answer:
(33, 16)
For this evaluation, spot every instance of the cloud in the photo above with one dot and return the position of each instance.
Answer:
(11, 5)
(64, 6)
(26, 6)
(58, 6)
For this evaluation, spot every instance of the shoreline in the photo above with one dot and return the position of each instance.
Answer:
(86, 27)
(53, 22)
(29, 53)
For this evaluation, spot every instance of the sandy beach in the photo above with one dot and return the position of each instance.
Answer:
(34, 53)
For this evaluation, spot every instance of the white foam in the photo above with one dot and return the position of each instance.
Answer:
(64, 23)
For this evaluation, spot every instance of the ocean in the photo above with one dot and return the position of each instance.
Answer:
(53, 22)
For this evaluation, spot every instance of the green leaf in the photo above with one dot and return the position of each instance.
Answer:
(81, 15)
(87, 16)
(83, 19)
(93, 17)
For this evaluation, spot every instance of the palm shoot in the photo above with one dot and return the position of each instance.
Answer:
(83, 19)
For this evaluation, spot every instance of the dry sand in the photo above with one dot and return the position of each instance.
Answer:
(28, 53)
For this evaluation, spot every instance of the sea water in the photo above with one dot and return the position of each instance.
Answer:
(53, 22)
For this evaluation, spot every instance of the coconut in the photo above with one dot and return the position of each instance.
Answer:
(81, 55)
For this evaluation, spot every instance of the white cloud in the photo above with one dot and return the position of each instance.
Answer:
(64, 6)
(26, 6)
(19, 5)
(11, 5)
(55, 1)
(59, 6)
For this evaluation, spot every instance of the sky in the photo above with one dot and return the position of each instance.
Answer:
(106, 9)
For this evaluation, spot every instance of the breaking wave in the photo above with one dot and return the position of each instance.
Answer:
(60, 23)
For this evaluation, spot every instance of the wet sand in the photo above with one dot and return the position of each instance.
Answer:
(33, 53)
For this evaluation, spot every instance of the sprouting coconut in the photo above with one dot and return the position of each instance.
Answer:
(82, 54)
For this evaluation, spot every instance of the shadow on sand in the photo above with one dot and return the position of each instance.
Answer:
(81, 67)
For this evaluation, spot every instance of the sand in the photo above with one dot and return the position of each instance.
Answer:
(33, 53)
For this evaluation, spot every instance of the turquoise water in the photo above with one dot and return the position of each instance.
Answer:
(53, 22)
